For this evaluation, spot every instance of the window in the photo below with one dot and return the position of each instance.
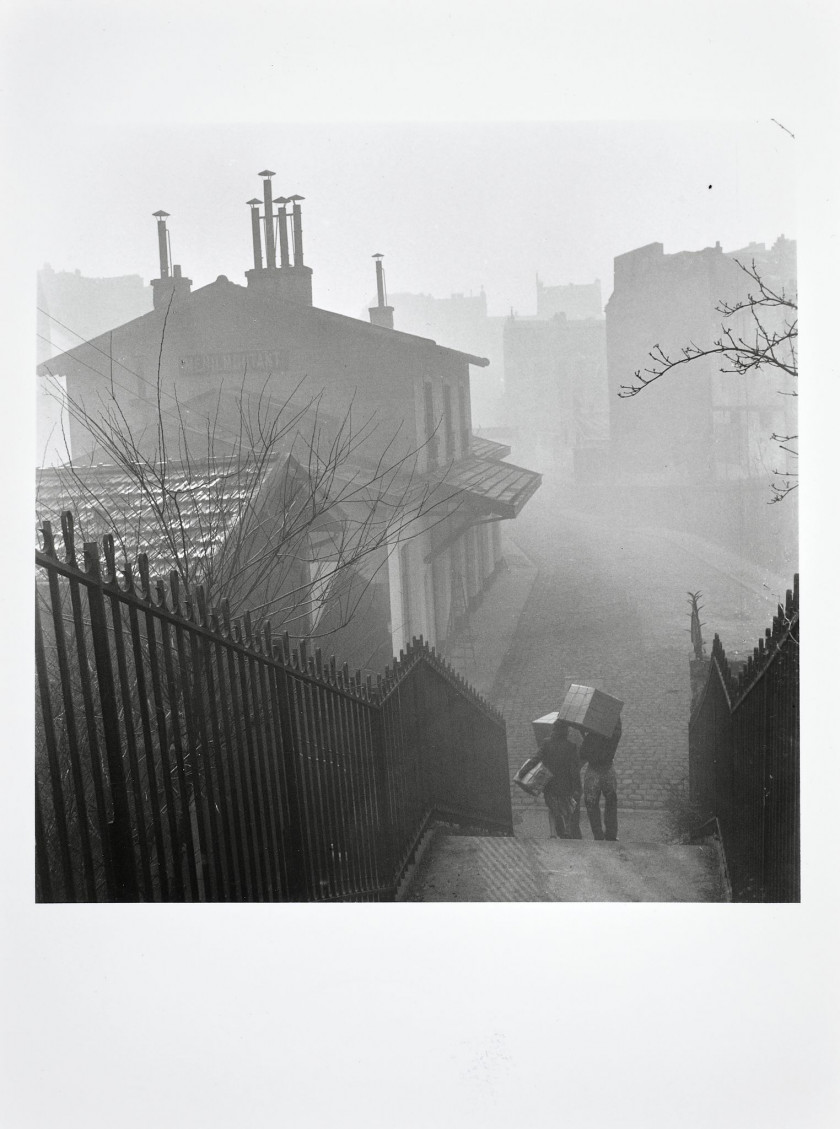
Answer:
(464, 420)
(449, 434)
(431, 437)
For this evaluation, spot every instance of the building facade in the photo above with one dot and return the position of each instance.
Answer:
(72, 308)
(201, 360)
(698, 443)
(556, 378)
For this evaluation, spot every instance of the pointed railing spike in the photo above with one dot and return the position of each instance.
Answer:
(145, 582)
(175, 589)
(201, 600)
(49, 538)
(110, 558)
(249, 632)
(68, 533)
(90, 551)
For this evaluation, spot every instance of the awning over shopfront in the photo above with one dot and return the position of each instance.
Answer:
(494, 488)
(489, 448)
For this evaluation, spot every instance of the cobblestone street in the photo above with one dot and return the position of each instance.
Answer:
(609, 608)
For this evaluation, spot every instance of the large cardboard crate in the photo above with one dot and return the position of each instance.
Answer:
(591, 709)
(532, 777)
(542, 727)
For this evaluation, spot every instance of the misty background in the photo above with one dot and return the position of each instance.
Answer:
(453, 206)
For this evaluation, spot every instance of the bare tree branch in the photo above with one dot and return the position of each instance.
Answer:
(742, 351)
(279, 514)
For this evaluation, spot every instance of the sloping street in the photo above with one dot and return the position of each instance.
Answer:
(588, 596)
(609, 608)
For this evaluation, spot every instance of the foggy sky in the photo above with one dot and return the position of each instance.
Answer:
(453, 206)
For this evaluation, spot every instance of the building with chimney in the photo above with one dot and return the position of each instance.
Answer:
(185, 369)
(697, 443)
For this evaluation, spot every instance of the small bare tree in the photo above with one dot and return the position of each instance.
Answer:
(274, 512)
(761, 335)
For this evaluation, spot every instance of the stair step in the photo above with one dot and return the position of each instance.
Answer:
(477, 869)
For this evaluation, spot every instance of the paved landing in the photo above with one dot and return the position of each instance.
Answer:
(459, 868)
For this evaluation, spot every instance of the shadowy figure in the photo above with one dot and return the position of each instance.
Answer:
(599, 779)
(562, 792)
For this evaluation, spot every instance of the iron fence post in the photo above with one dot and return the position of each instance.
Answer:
(380, 778)
(119, 831)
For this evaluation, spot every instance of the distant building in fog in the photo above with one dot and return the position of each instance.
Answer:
(555, 369)
(556, 383)
(573, 300)
(696, 424)
(73, 308)
(704, 437)
(226, 344)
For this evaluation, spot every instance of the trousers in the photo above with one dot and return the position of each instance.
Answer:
(598, 782)
(563, 814)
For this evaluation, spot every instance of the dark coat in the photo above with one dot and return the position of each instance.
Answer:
(600, 751)
(560, 756)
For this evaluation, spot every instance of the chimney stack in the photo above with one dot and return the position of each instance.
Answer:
(167, 288)
(297, 230)
(283, 230)
(270, 258)
(254, 205)
(163, 250)
(291, 281)
(381, 314)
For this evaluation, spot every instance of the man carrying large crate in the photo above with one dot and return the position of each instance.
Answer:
(599, 780)
(598, 717)
(562, 791)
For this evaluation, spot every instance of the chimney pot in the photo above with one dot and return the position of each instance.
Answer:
(256, 238)
(297, 230)
(282, 229)
(270, 256)
(163, 249)
(381, 314)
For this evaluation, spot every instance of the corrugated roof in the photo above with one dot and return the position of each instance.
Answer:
(489, 448)
(193, 513)
(496, 487)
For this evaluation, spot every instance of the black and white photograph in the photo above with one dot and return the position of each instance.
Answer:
(410, 438)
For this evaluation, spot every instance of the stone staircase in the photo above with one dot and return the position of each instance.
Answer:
(473, 868)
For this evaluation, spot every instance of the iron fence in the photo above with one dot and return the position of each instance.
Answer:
(744, 760)
(181, 756)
